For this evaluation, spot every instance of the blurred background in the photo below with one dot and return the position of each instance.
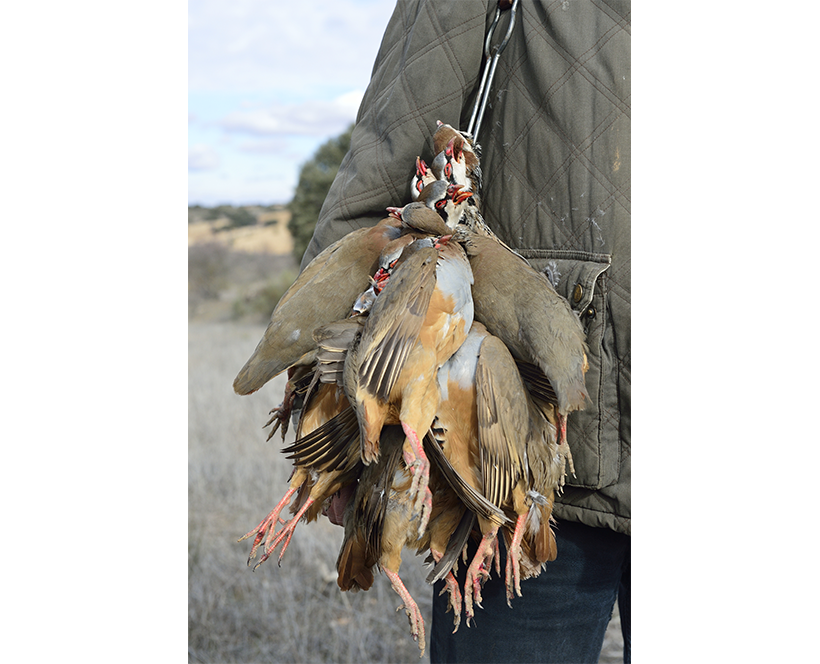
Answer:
(273, 90)
(268, 82)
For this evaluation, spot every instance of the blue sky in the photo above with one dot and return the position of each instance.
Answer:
(268, 82)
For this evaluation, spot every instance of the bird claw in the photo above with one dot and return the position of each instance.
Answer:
(281, 414)
(512, 579)
(410, 607)
(419, 466)
(279, 418)
(451, 587)
(513, 566)
(285, 534)
(267, 527)
(477, 573)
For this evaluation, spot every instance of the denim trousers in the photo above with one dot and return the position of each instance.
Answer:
(562, 614)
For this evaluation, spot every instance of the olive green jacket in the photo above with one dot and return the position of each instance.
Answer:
(556, 162)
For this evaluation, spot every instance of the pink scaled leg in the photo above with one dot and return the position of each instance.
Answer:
(268, 525)
(410, 607)
(513, 570)
(287, 531)
(478, 572)
(562, 440)
(419, 466)
(451, 586)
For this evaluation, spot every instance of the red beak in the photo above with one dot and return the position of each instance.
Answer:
(421, 167)
(462, 196)
(457, 194)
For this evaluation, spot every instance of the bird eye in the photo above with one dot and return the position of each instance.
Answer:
(440, 204)
(419, 186)
(448, 169)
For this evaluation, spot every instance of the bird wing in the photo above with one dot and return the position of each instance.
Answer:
(333, 342)
(394, 322)
(502, 420)
(322, 293)
(476, 503)
(458, 540)
(536, 382)
(332, 446)
(519, 305)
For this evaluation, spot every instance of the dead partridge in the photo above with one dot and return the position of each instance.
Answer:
(519, 305)
(383, 519)
(547, 469)
(415, 324)
(324, 292)
(326, 452)
(463, 155)
(482, 425)
(379, 522)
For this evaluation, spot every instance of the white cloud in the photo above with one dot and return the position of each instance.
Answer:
(202, 158)
(271, 146)
(213, 190)
(310, 118)
(246, 45)
(312, 56)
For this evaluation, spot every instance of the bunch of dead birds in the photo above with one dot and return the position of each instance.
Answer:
(430, 372)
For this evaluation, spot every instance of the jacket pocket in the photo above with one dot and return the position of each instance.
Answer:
(592, 433)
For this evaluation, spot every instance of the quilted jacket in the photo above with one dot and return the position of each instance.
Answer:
(556, 162)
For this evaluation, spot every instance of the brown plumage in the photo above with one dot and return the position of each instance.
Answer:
(381, 520)
(326, 452)
(482, 424)
(519, 305)
(420, 318)
(324, 292)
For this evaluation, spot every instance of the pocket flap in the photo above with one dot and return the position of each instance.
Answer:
(572, 273)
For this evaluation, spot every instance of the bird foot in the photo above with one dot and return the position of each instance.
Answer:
(451, 587)
(280, 416)
(478, 572)
(285, 535)
(267, 526)
(562, 443)
(411, 609)
(513, 567)
(419, 466)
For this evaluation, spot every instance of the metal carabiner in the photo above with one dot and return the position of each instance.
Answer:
(489, 69)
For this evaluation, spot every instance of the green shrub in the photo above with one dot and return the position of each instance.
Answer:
(315, 178)
(260, 303)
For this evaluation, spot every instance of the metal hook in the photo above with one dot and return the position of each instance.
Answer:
(489, 70)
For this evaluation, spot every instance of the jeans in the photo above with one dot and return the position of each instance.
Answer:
(562, 614)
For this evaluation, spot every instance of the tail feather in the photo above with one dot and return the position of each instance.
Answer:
(352, 568)
(539, 531)
(546, 549)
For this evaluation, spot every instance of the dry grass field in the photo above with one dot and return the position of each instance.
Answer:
(292, 613)
(270, 234)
